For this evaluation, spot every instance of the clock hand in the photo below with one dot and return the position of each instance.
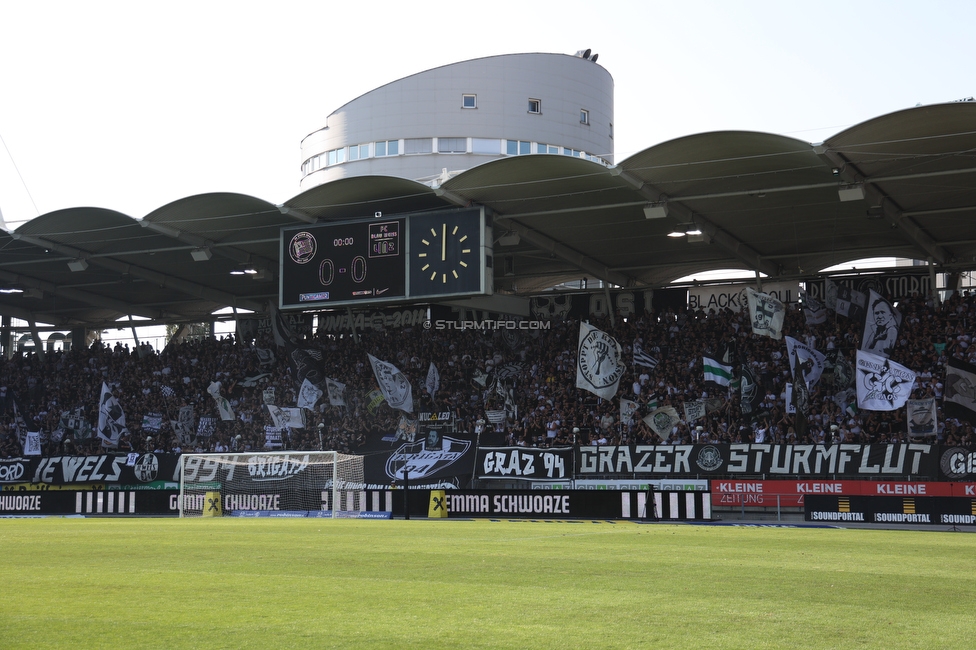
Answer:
(444, 244)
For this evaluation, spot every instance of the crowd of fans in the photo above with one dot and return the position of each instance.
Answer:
(54, 394)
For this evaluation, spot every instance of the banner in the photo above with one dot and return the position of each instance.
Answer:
(922, 418)
(733, 296)
(694, 410)
(104, 468)
(393, 384)
(766, 314)
(599, 365)
(814, 312)
(959, 399)
(850, 460)
(750, 395)
(881, 326)
(525, 463)
(642, 358)
(627, 410)
(292, 418)
(450, 465)
(882, 385)
(851, 303)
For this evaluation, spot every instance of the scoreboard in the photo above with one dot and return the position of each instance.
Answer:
(443, 254)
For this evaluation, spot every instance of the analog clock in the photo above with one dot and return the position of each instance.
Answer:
(446, 253)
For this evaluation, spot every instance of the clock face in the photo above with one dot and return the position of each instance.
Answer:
(445, 253)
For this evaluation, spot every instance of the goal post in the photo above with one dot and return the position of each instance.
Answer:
(262, 482)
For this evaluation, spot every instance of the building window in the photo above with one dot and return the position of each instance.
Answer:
(387, 148)
(469, 101)
(358, 151)
(452, 145)
(576, 153)
(486, 145)
(518, 147)
(418, 145)
(584, 116)
(547, 148)
(535, 106)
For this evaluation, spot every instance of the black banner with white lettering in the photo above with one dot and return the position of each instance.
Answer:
(101, 503)
(126, 469)
(525, 463)
(921, 462)
(449, 464)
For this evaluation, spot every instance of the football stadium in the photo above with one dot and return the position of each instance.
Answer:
(495, 404)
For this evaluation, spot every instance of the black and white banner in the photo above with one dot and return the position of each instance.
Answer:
(922, 417)
(882, 385)
(881, 326)
(525, 463)
(959, 400)
(806, 359)
(766, 314)
(599, 365)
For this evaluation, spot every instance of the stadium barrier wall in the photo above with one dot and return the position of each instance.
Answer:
(939, 511)
(577, 504)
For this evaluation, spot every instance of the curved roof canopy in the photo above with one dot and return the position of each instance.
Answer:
(900, 185)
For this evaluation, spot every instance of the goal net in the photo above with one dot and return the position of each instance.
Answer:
(317, 483)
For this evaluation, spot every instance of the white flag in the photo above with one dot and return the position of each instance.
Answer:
(882, 385)
(393, 384)
(662, 421)
(287, 417)
(433, 380)
(716, 372)
(694, 410)
(809, 361)
(111, 419)
(627, 410)
(880, 326)
(598, 362)
(337, 392)
(766, 314)
(923, 419)
(223, 405)
(308, 395)
(814, 312)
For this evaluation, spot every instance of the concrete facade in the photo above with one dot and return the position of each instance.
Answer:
(433, 124)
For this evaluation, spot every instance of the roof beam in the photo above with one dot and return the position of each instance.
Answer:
(161, 279)
(567, 254)
(682, 214)
(852, 174)
(228, 251)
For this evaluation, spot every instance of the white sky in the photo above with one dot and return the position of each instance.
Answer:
(122, 106)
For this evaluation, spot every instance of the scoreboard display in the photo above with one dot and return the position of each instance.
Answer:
(387, 259)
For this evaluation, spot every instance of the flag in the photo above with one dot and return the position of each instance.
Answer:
(830, 294)
(642, 358)
(749, 394)
(806, 359)
(959, 400)
(406, 429)
(598, 362)
(717, 373)
(308, 395)
(183, 425)
(881, 326)
(662, 421)
(292, 418)
(766, 314)
(433, 380)
(223, 406)
(111, 419)
(167, 391)
(508, 370)
(882, 385)
(251, 382)
(694, 410)
(373, 400)
(394, 385)
(627, 410)
(851, 303)
(305, 362)
(265, 357)
(337, 392)
(32, 443)
(814, 311)
(922, 417)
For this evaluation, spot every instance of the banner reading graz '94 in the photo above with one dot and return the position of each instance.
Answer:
(844, 460)
(525, 463)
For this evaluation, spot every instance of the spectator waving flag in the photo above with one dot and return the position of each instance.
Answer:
(814, 312)
(642, 358)
(393, 384)
(337, 392)
(766, 314)
(717, 373)
(111, 419)
(598, 362)
(226, 412)
(880, 326)
(309, 395)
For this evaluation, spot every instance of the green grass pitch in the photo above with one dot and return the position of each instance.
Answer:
(312, 583)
